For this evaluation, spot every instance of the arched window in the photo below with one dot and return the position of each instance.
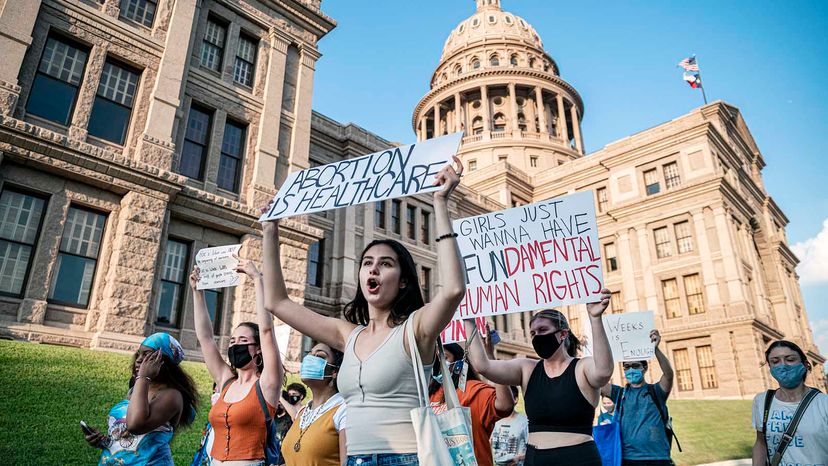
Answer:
(458, 70)
(531, 63)
(494, 60)
(499, 123)
(475, 63)
(521, 122)
(443, 77)
(513, 60)
(546, 66)
(477, 125)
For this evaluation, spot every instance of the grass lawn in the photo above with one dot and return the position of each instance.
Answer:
(45, 391)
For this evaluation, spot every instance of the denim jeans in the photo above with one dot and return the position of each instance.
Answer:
(383, 459)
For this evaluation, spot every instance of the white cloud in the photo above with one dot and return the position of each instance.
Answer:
(813, 254)
(820, 332)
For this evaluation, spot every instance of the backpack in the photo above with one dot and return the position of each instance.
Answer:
(668, 421)
(273, 446)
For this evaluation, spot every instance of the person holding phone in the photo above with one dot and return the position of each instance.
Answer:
(161, 398)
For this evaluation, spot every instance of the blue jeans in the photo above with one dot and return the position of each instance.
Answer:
(383, 459)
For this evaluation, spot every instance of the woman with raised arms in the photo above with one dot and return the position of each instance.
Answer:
(376, 378)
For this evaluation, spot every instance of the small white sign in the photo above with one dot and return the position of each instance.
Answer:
(629, 335)
(217, 267)
(282, 333)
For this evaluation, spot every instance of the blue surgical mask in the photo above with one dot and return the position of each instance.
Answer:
(788, 375)
(634, 376)
(438, 378)
(313, 368)
(455, 368)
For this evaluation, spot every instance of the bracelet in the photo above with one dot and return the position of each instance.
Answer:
(446, 236)
(149, 380)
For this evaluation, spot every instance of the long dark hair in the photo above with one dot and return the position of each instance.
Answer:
(795, 348)
(173, 376)
(408, 299)
(337, 358)
(255, 327)
(572, 343)
(456, 351)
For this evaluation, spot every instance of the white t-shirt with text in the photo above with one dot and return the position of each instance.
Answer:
(809, 446)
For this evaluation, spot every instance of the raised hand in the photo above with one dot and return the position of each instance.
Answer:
(151, 365)
(655, 337)
(195, 275)
(488, 345)
(597, 308)
(269, 225)
(448, 178)
(247, 267)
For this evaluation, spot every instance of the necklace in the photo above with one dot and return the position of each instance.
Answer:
(312, 414)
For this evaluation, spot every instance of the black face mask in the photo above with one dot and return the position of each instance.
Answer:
(294, 399)
(239, 355)
(546, 345)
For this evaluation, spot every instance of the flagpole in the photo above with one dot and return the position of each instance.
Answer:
(704, 95)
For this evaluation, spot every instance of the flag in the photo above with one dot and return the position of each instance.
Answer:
(693, 79)
(689, 64)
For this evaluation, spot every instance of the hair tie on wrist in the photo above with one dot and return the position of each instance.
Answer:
(447, 235)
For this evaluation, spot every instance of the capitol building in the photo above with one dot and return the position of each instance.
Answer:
(134, 133)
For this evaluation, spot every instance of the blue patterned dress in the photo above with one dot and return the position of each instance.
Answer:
(126, 449)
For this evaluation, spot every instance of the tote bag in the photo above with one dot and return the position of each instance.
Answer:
(442, 439)
(608, 439)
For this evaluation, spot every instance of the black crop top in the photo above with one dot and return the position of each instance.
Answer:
(556, 404)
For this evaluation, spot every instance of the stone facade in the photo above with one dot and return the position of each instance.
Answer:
(728, 280)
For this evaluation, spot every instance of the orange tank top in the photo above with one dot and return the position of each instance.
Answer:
(317, 445)
(240, 432)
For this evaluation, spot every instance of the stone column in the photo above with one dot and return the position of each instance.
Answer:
(419, 129)
(267, 142)
(458, 126)
(711, 285)
(126, 299)
(438, 123)
(541, 110)
(484, 102)
(629, 290)
(576, 128)
(87, 93)
(731, 268)
(17, 20)
(650, 292)
(156, 146)
(563, 132)
(513, 108)
(300, 135)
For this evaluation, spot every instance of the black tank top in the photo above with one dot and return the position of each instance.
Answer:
(556, 404)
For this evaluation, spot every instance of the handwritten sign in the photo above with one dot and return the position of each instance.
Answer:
(531, 257)
(217, 267)
(282, 334)
(629, 335)
(396, 172)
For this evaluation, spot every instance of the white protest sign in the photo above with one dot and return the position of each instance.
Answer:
(396, 172)
(217, 267)
(531, 257)
(629, 335)
(282, 334)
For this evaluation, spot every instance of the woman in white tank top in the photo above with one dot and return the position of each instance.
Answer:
(376, 378)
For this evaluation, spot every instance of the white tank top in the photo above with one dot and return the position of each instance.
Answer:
(380, 393)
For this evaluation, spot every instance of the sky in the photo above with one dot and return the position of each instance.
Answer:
(766, 58)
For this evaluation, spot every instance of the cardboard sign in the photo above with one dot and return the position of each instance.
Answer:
(282, 334)
(217, 267)
(526, 258)
(629, 335)
(396, 172)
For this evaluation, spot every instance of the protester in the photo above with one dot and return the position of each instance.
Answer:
(561, 391)
(208, 436)
(607, 410)
(237, 417)
(644, 437)
(509, 437)
(809, 441)
(376, 378)
(317, 437)
(161, 398)
(296, 394)
(488, 404)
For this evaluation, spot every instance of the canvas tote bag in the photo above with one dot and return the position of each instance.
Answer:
(442, 439)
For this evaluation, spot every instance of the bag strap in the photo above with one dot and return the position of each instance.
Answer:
(263, 404)
(787, 437)
(449, 390)
(768, 400)
(668, 428)
(416, 362)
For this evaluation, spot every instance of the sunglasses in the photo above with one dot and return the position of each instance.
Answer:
(636, 365)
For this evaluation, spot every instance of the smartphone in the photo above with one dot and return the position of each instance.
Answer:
(85, 428)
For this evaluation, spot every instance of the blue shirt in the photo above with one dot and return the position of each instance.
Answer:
(642, 430)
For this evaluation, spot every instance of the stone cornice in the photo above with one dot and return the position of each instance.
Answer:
(505, 73)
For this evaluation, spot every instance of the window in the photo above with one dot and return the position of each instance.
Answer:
(475, 64)
(245, 61)
(411, 222)
(603, 200)
(140, 11)
(612, 260)
(232, 151)
(695, 295)
(196, 139)
(425, 282)
(113, 103)
(379, 214)
(499, 123)
(215, 302)
(212, 46)
(616, 303)
(20, 219)
(651, 182)
(502, 158)
(682, 362)
(672, 303)
(684, 237)
(662, 243)
(77, 257)
(477, 125)
(395, 216)
(513, 60)
(533, 161)
(671, 175)
(494, 60)
(472, 165)
(707, 367)
(316, 264)
(425, 227)
(173, 280)
(57, 80)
